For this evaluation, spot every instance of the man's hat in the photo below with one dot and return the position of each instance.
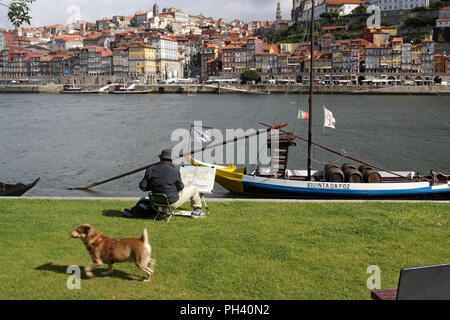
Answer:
(166, 154)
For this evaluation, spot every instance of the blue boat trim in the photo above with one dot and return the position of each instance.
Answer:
(248, 185)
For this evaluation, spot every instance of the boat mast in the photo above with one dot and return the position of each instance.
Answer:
(311, 88)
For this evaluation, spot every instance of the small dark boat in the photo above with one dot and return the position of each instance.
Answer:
(15, 190)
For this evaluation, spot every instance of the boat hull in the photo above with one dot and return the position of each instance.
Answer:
(17, 192)
(79, 92)
(129, 92)
(234, 180)
(280, 188)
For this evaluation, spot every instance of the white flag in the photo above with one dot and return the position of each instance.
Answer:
(201, 134)
(330, 122)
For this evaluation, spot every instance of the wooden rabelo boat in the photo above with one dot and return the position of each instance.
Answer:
(295, 185)
(15, 190)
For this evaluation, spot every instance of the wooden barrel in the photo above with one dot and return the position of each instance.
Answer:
(331, 165)
(347, 166)
(334, 174)
(352, 175)
(371, 176)
(363, 168)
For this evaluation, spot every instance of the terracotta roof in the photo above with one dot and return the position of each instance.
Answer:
(33, 55)
(91, 38)
(140, 45)
(268, 47)
(70, 38)
(371, 46)
(359, 41)
(106, 53)
(229, 47)
(9, 36)
(46, 59)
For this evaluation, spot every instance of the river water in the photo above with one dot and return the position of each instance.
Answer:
(74, 140)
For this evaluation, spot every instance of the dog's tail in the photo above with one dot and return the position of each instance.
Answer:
(144, 236)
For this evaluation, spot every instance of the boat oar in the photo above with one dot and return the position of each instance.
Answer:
(112, 179)
(341, 154)
(259, 132)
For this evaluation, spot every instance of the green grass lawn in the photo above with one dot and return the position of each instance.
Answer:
(241, 251)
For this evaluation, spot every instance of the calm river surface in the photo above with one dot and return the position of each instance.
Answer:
(74, 140)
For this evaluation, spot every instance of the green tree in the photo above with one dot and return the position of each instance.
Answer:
(330, 15)
(440, 38)
(419, 9)
(250, 75)
(438, 5)
(19, 12)
(419, 21)
(360, 10)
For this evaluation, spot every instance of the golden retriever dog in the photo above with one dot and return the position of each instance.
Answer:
(108, 250)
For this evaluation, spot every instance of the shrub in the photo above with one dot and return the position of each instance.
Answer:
(250, 75)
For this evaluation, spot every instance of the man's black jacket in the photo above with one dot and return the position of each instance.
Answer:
(164, 178)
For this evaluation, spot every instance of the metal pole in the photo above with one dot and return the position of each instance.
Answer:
(311, 91)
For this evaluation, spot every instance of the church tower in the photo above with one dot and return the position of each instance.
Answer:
(155, 9)
(278, 16)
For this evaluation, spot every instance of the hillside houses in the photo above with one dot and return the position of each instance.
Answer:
(155, 45)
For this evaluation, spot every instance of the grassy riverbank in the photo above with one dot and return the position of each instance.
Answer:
(242, 251)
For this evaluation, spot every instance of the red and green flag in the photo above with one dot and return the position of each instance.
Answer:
(303, 115)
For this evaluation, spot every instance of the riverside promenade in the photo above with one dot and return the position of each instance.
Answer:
(248, 89)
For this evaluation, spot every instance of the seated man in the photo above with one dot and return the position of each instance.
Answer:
(165, 178)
